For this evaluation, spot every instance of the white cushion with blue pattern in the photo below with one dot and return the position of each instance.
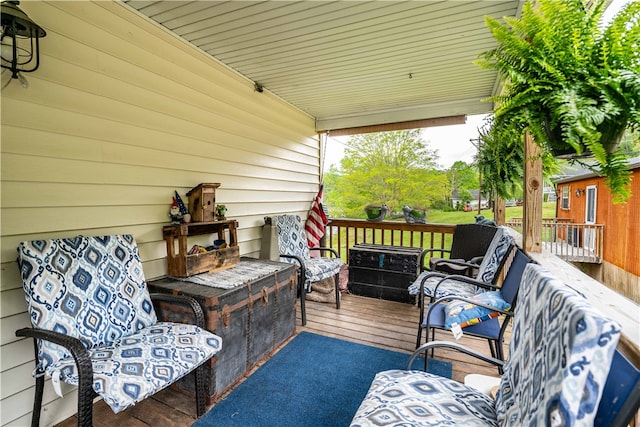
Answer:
(559, 359)
(559, 356)
(292, 240)
(487, 271)
(415, 398)
(93, 289)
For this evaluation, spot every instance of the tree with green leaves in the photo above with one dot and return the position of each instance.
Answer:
(395, 168)
(462, 177)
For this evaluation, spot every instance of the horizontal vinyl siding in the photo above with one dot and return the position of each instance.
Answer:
(120, 114)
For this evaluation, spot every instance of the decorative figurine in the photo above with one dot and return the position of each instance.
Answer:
(376, 213)
(181, 206)
(221, 212)
(174, 213)
(414, 216)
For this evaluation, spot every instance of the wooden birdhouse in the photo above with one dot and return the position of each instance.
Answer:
(202, 202)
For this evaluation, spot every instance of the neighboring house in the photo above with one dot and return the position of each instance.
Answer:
(584, 198)
(473, 203)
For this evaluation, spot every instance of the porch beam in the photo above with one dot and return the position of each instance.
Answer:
(411, 124)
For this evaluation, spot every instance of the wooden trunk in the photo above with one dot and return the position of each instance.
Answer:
(252, 319)
(382, 271)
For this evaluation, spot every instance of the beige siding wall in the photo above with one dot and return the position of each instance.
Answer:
(119, 115)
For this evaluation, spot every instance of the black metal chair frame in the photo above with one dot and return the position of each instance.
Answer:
(495, 344)
(80, 354)
(302, 280)
(455, 277)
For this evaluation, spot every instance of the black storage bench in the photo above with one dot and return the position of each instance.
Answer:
(383, 271)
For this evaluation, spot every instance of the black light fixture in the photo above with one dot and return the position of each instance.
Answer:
(18, 50)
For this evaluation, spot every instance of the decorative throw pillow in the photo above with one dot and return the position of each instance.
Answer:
(465, 313)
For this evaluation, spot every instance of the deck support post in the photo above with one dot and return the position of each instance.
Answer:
(533, 186)
(499, 210)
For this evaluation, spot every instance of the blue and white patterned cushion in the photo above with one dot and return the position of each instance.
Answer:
(562, 348)
(451, 287)
(415, 398)
(559, 359)
(98, 280)
(93, 289)
(487, 271)
(496, 252)
(139, 365)
(292, 240)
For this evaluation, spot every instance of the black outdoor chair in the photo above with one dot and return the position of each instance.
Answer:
(473, 320)
(96, 326)
(468, 247)
(293, 247)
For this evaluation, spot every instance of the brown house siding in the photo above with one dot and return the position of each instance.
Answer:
(621, 256)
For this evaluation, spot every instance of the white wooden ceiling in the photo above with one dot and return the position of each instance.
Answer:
(349, 63)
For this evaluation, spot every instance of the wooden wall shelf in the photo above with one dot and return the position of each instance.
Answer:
(182, 264)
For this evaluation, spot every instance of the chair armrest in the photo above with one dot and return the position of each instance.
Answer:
(74, 345)
(424, 253)
(455, 346)
(182, 300)
(322, 249)
(303, 272)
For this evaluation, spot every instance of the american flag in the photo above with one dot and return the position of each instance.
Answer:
(316, 221)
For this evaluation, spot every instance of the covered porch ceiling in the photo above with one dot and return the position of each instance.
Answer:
(350, 64)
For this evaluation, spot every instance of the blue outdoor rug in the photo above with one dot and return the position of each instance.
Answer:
(313, 381)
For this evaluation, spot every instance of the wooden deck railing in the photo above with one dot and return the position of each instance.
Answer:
(569, 241)
(343, 234)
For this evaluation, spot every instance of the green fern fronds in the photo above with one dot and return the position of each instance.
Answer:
(572, 84)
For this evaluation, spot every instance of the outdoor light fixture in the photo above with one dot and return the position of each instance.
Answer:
(19, 52)
(579, 192)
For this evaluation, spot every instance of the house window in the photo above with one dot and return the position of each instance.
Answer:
(565, 197)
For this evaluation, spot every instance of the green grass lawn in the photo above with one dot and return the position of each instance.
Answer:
(458, 217)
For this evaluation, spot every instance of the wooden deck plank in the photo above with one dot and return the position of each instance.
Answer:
(380, 323)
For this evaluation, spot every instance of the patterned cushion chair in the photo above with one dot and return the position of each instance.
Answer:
(95, 325)
(430, 282)
(293, 248)
(485, 315)
(559, 360)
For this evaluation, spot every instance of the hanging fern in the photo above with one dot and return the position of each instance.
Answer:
(570, 83)
(501, 157)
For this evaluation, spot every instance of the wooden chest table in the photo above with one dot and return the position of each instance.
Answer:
(252, 318)
(383, 271)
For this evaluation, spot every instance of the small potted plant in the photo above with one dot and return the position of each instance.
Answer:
(221, 212)
(570, 81)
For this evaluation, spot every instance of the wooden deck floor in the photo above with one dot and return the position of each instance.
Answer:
(368, 321)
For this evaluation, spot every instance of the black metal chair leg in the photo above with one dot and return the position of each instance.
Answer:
(37, 401)
(303, 309)
(336, 279)
(200, 391)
